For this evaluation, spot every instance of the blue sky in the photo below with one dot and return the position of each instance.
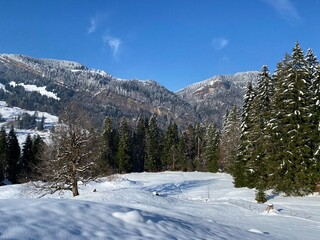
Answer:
(174, 42)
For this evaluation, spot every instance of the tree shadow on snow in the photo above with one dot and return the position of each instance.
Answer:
(168, 189)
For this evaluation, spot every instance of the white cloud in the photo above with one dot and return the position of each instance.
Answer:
(96, 21)
(114, 44)
(285, 9)
(219, 43)
(93, 25)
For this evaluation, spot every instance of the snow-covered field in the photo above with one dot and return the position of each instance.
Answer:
(11, 113)
(34, 88)
(186, 206)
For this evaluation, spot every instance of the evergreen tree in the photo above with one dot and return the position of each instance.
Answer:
(170, 148)
(109, 148)
(13, 156)
(312, 65)
(27, 159)
(241, 171)
(40, 125)
(38, 150)
(293, 165)
(190, 145)
(199, 143)
(261, 196)
(261, 107)
(181, 163)
(123, 154)
(211, 149)
(274, 128)
(3, 153)
(316, 119)
(314, 78)
(139, 144)
(230, 140)
(153, 146)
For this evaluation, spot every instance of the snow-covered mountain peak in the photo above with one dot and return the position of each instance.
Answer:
(216, 94)
(218, 81)
(45, 65)
(38, 62)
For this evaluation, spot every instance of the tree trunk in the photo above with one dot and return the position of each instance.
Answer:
(75, 191)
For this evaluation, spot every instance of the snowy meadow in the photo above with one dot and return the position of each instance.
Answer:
(167, 205)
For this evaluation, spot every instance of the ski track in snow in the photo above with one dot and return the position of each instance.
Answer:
(187, 206)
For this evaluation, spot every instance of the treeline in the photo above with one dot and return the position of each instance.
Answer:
(19, 164)
(18, 97)
(77, 145)
(144, 146)
(279, 140)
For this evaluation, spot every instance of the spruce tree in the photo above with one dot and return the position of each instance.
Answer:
(27, 159)
(38, 150)
(211, 149)
(153, 146)
(123, 154)
(314, 78)
(261, 107)
(13, 156)
(316, 119)
(274, 128)
(181, 163)
(199, 131)
(3, 153)
(230, 140)
(170, 146)
(241, 170)
(139, 144)
(108, 160)
(294, 159)
(190, 145)
(261, 196)
(40, 125)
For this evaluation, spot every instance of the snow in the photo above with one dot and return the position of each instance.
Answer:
(11, 113)
(188, 206)
(34, 88)
(2, 86)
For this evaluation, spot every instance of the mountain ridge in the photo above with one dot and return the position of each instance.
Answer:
(106, 95)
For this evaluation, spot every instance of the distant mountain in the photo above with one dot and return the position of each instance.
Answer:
(99, 92)
(213, 96)
(47, 85)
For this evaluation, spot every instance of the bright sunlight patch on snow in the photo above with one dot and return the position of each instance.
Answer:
(186, 206)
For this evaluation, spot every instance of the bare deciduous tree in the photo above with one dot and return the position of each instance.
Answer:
(72, 153)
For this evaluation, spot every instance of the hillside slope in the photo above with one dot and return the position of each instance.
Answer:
(99, 92)
(213, 96)
(47, 85)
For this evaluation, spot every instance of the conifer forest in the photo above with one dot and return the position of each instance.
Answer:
(272, 142)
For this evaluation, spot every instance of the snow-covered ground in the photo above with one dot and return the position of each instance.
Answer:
(34, 88)
(9, 114)
(187, 206)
